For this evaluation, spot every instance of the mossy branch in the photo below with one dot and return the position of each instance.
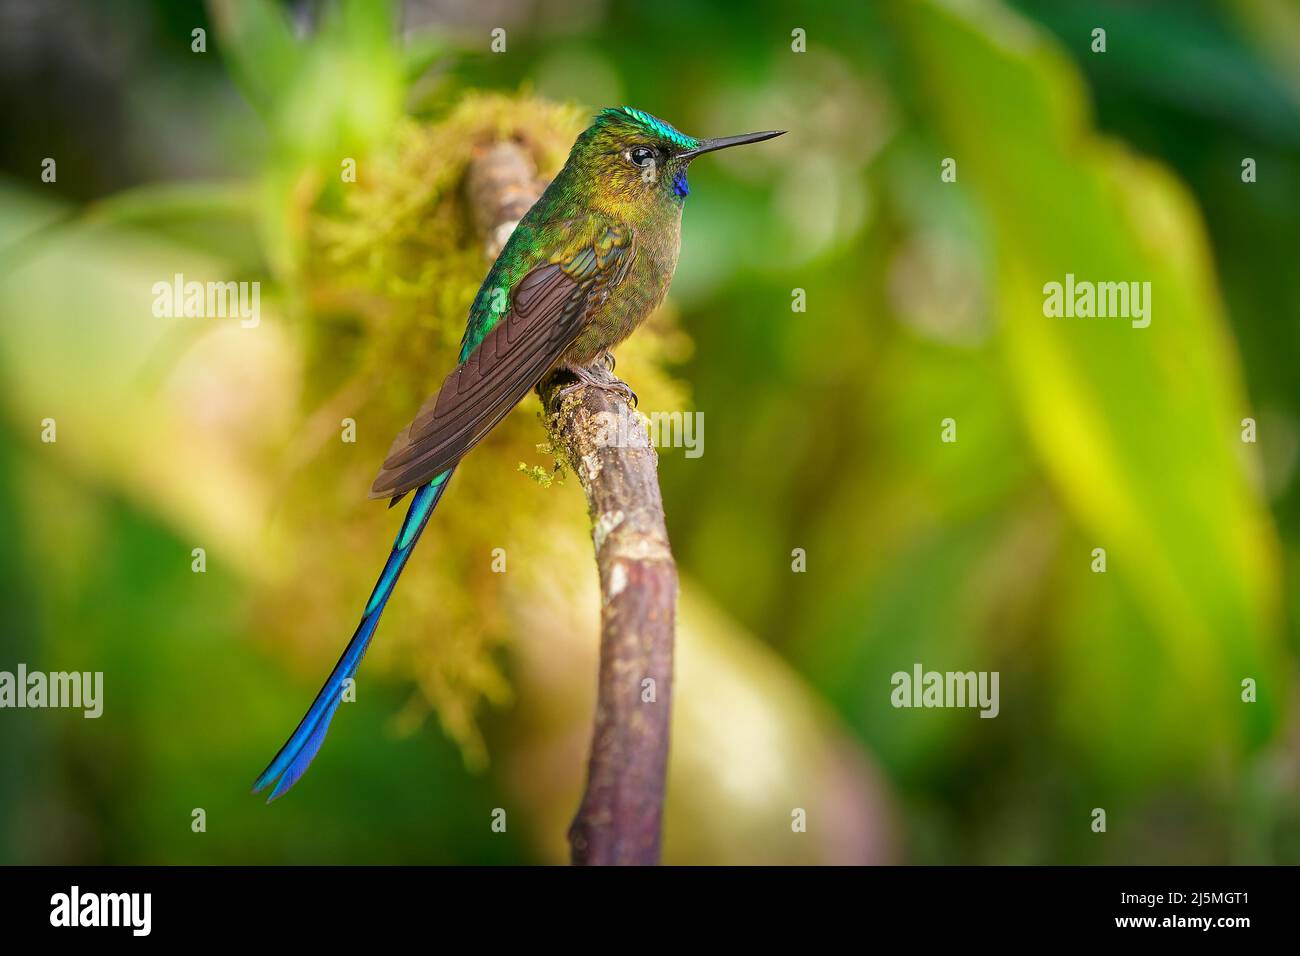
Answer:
(619, 819)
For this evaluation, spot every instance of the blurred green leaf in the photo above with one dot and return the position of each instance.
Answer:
(258, 44)
(1137, 428)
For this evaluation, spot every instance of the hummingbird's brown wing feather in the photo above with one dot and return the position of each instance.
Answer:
(548, 309)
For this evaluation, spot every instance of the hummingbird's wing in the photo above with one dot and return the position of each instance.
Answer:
(548, 308)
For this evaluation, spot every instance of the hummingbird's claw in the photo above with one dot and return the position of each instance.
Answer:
(585, 376)
(608, 358)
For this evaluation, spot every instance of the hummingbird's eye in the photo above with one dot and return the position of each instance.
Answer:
(641, 155)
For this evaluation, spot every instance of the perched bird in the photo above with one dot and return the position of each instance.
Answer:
(585, 266)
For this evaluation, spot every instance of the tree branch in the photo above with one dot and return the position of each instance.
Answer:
(607, 447)
(619, 819)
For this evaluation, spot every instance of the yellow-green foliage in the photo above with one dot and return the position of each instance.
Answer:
(390, 276)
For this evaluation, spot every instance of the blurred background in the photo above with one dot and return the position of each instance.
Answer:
(220, 155)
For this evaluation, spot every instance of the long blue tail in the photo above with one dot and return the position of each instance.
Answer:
(299, 750)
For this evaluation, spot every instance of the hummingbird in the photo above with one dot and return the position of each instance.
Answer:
(586, 265)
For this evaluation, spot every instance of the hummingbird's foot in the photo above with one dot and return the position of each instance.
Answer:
(608, 358)
(585, 376)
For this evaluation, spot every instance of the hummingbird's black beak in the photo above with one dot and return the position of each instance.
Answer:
(709, 145)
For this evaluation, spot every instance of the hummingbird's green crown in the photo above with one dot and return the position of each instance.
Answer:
(650, 125)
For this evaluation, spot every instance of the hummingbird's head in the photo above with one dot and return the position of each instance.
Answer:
(641, 157)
